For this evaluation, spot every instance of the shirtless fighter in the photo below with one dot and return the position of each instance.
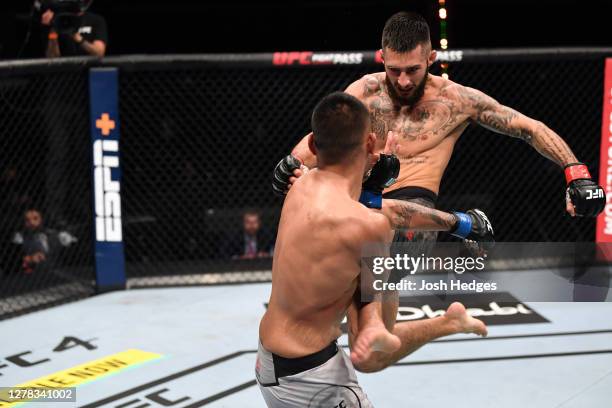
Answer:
(316, 267)
(429, 113)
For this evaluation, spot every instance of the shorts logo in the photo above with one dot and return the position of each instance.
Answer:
(328, 397)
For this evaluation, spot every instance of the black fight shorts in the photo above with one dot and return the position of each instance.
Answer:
(422, 242)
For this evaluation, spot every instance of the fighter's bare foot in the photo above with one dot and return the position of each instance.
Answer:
(457, 314)
(373, 339)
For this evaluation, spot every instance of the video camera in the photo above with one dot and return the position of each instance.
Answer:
(67, 14)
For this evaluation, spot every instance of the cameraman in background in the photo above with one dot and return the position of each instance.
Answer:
(70, 30)
(40, 246)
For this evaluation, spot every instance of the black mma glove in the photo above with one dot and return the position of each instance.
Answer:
(282, 172)
(588, 198)
(475, 229)
(383, 174)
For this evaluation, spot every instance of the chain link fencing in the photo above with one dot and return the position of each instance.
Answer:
(201, 136)
(45, 223)
(522, 191)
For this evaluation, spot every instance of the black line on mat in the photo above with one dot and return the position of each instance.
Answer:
(125, 404)
(519, 357)
(523, 336)
(189, 285)
(167, 378)
(222, 394)
(251, 383)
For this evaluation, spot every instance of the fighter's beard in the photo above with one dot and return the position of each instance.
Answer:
(412, 99)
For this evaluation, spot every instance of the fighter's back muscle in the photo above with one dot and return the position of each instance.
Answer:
(319, 238)
(316, 268)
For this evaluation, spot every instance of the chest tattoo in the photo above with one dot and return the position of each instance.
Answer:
(427, 119)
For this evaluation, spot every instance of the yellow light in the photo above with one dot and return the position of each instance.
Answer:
(443, 13)
(442, 2)
(443, 42)
(445, 75)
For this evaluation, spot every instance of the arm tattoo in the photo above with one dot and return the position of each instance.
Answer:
(446, 221)
(404, 214)
(372, 86)
(550, 145)
(379, 104)
(379, 124)
(493, 116)
(502, 119)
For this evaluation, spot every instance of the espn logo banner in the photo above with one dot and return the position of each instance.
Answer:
(106, 178)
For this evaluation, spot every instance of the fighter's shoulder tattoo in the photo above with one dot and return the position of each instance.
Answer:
(379, 104)
(372, 85)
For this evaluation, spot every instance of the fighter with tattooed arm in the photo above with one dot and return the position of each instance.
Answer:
(429, 113)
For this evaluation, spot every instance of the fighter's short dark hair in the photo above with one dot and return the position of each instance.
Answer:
(339, 122)
(404, 31)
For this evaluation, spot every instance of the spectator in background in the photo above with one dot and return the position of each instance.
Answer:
(251, 241)
(89, 39)
(39, 245)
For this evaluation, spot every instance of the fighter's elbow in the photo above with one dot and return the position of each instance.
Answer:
(536, 126)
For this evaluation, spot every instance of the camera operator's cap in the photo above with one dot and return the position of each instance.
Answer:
(46, 4)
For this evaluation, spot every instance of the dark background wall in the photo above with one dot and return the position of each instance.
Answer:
(182, 26)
